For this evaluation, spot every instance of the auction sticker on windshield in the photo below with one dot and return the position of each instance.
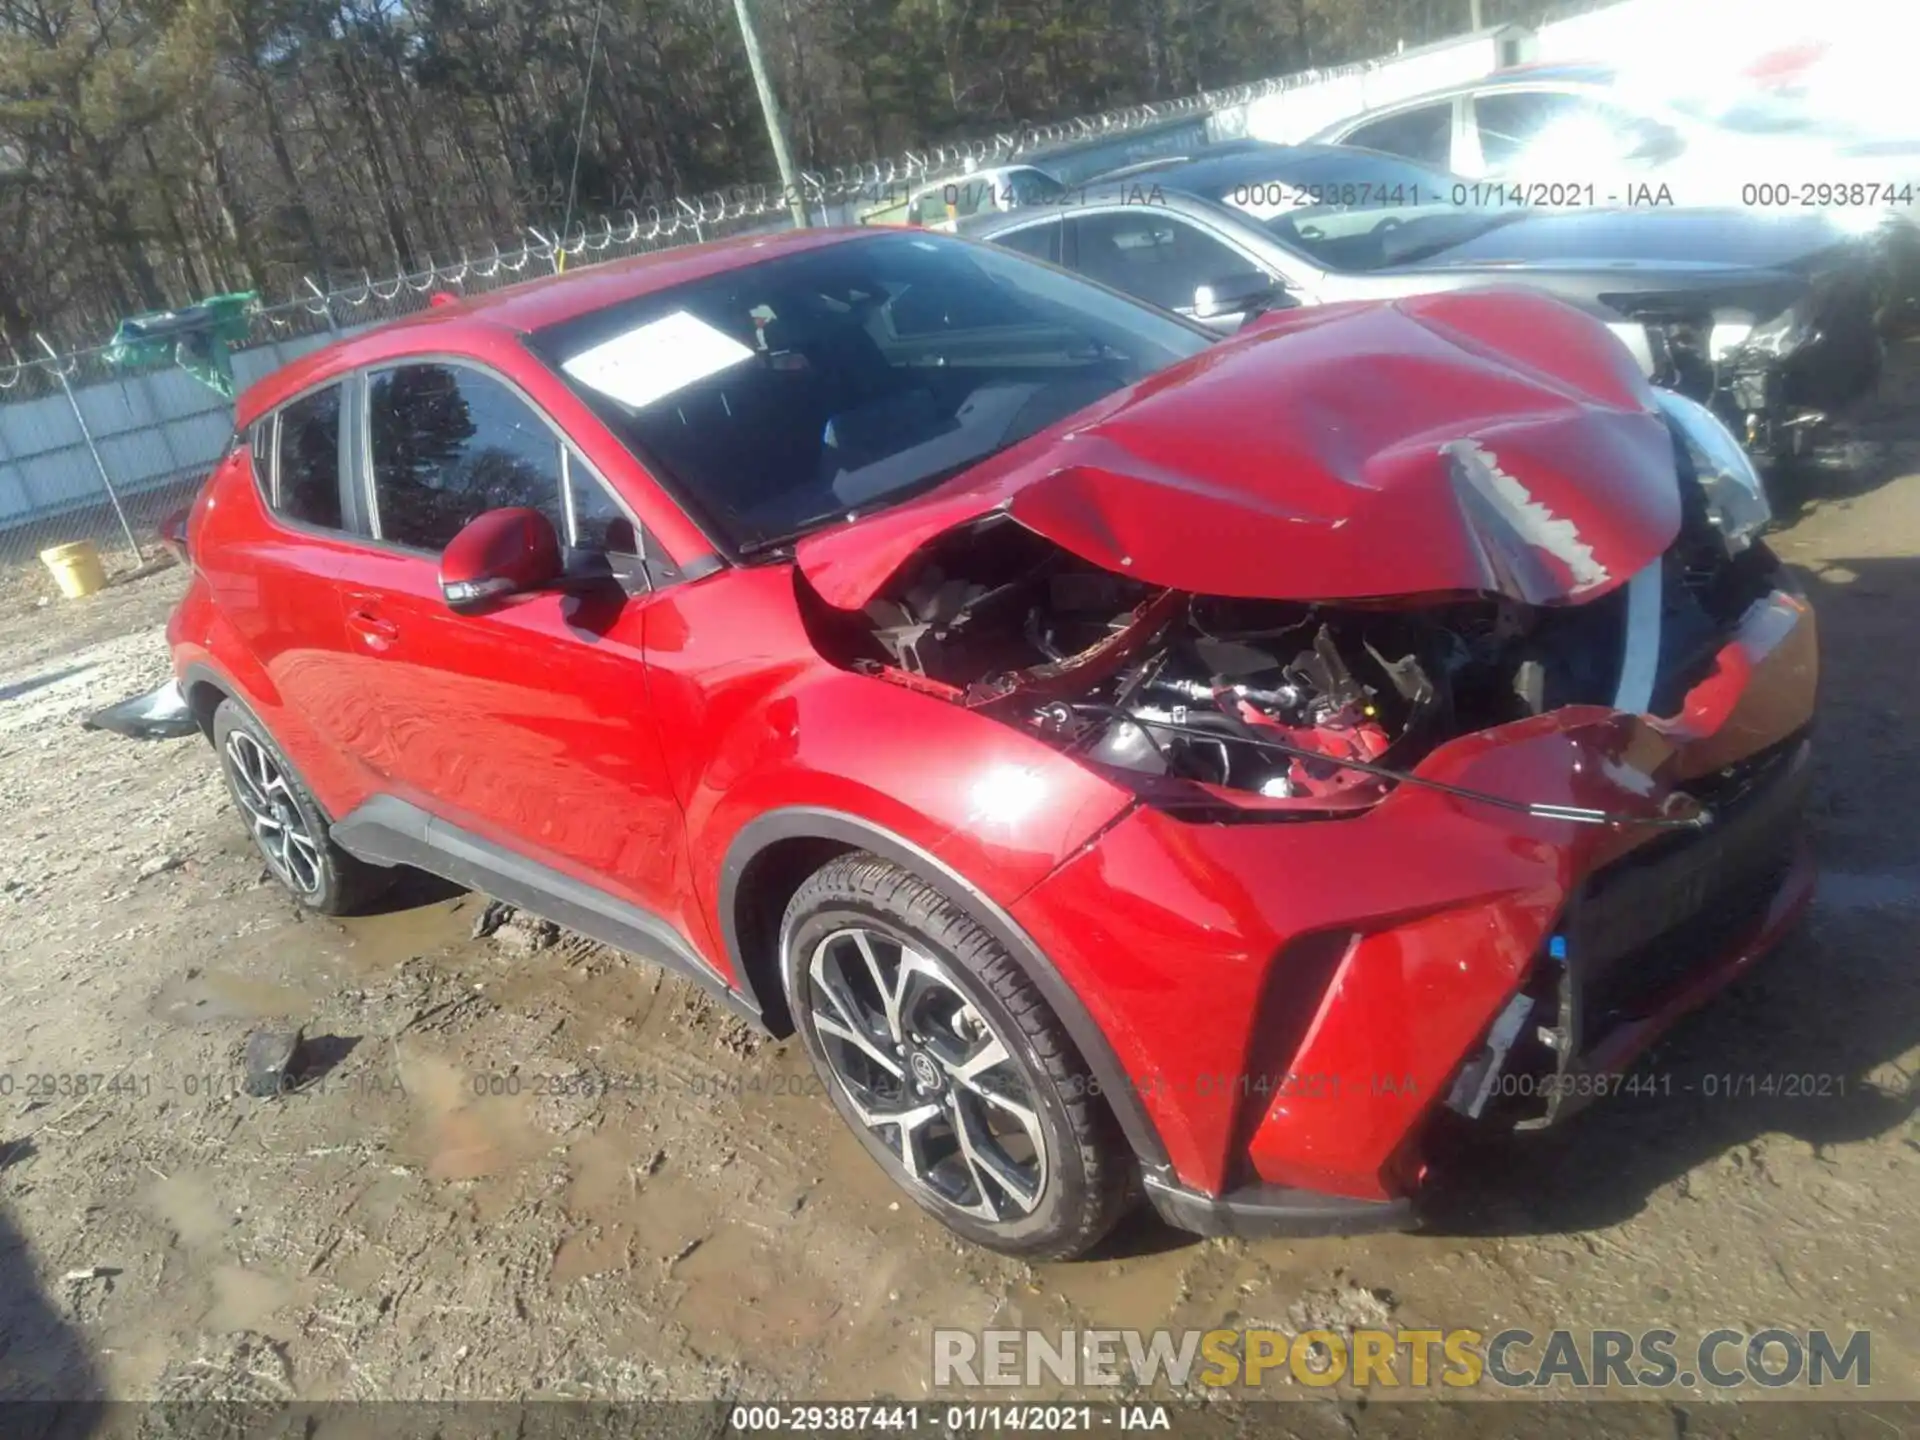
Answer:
(654, 360)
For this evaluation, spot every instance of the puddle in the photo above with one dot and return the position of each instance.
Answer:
(277, 973)
(1131, 1294)
(381, 942)
(456, 1134)
(744, 1293)
(611, 1000)
(606, 1178)
(206, 996)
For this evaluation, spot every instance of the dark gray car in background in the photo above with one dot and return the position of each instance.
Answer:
(1768, 317)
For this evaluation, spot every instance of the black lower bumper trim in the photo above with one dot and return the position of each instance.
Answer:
(1257, 1210)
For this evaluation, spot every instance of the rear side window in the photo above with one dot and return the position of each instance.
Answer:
(309, 483)
(1517, 126)
(1146, 253)
(1041, 241)
(1510, 121)
(1424, 133)
(449, 443)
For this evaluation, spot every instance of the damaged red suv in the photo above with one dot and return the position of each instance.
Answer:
(1129, 760)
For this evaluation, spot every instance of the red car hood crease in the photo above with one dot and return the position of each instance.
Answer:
(1491, 441)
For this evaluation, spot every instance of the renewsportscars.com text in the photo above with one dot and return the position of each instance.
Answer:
(1725, 1359)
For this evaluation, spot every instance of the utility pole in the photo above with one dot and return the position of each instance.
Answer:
(770, 108)
(1473, 15)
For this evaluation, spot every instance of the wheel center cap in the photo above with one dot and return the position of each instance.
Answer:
(926, 1074)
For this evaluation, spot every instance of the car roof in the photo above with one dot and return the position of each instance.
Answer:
(1586, 72)
(983, 173)
(1208, 175)
(1123, 192)
(1161, 162)
(1184, 184)
(486, 323)
(1549, 72)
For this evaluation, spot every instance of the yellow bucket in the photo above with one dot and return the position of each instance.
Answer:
(76, 568)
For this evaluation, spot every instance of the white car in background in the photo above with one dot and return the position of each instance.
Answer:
(944, 204)
(1589, 135)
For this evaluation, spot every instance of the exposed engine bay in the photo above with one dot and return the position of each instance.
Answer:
(1303, 704)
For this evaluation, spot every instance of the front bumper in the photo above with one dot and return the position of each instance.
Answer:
(1295, 1003)
(1645, 940)
(1255, 1210)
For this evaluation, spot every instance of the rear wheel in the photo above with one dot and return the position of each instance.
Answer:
(286, 822)
(952, 1070)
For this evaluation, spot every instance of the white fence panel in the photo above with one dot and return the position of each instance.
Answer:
(152, 430)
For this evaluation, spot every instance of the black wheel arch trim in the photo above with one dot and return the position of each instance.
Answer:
(200, 673)
(805, 822)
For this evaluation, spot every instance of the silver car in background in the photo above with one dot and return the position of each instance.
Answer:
(1770, 319)
(1593, 135)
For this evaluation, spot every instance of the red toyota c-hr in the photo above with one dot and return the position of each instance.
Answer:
(1128, 759)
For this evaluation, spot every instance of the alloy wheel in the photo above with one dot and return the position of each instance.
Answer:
(279, 827)
(928, 1074)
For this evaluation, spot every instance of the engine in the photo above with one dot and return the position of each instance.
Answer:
(1193, 695)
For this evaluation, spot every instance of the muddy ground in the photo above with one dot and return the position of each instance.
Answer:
(397, 1229)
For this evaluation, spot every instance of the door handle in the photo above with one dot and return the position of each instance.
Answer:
(377, 633)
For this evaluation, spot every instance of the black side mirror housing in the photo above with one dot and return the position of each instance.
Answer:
(1246, 292)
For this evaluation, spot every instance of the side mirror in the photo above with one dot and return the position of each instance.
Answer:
(1245, 293)
(498, 554)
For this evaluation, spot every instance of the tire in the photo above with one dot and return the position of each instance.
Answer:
(1045, 1172)
(287, 824)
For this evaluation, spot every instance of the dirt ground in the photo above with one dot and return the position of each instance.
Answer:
(417, 1222)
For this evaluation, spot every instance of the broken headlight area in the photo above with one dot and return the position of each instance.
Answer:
(1223, 707)
(1730, 487)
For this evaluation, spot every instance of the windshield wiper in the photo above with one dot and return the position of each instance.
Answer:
(846, 516)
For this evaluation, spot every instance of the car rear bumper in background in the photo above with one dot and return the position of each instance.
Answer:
(1297, 1003)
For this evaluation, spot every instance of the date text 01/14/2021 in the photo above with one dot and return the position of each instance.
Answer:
(955, 1419)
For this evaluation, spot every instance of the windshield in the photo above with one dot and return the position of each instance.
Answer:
(790, 394)
(1353, 210)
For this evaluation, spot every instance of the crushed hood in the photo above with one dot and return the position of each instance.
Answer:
(1493, 441)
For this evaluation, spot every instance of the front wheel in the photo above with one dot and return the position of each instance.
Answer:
(952, 1070)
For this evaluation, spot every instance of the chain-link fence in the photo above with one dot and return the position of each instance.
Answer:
(92, 450)
(97, 451)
